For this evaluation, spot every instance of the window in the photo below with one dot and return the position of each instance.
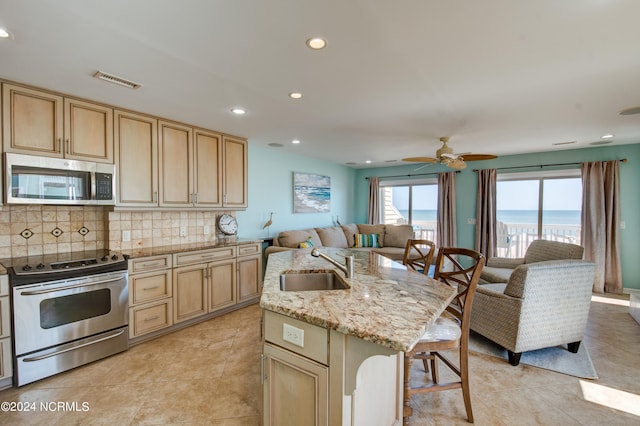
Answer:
(540, 205)
(414, 202)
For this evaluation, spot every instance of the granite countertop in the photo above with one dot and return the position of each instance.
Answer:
(386, 304)
(178, 248)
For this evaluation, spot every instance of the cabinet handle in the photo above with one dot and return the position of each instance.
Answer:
(196, 198)
(150, 288)
(153, 264)
(68, 146)
(155, 196)
(57, 146)
(152, 318)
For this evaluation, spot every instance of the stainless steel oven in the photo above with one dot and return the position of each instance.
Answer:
(67, 313)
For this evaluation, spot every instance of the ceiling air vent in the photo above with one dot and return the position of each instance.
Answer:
(117, 80)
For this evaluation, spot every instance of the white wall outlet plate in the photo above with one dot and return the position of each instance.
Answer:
(126, 235)
(207, 230)
(293, 335)
(183, 231)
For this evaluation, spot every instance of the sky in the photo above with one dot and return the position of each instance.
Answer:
(558, 194)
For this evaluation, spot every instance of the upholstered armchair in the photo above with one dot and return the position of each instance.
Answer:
(498, 269)
(543, 304)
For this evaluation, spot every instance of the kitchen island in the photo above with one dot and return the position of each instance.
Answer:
(336, 356)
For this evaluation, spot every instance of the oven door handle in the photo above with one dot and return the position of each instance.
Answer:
(52, 290)
(41, 357)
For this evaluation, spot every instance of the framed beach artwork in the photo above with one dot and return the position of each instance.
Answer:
(311, 193)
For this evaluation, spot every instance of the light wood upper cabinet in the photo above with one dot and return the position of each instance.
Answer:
(235, 172)
(136, 156)
(32, 121)
(207, 173)
(41, 123)
(175, 158)
(88, 130)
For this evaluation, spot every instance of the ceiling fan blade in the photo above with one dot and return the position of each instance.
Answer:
(478, 157)
(420, 160)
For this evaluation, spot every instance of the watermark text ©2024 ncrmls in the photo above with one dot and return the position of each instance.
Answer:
(44, 406)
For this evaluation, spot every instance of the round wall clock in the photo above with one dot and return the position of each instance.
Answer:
(228, 224)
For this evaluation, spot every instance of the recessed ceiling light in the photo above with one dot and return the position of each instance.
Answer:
(275, 145)
(295, 95)
(238, 111)
(630, 111)
(607, 136)
(350, 163)
(295, 141)
(563, 143)
(4, 33)
(316, 43)
(368, 161)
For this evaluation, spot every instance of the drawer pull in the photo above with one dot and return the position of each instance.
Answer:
(151, 264)
(151, 288)
(152, 318)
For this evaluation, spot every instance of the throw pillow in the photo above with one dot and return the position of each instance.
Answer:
(306, 244)
(367, 240)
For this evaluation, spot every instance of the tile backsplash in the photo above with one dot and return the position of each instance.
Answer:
(160, 228)
(32, 230)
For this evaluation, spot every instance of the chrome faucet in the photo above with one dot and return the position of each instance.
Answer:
(347, 268)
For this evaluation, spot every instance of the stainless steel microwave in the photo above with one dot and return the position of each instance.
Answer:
(31, 179)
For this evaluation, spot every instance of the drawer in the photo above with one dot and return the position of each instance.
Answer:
(315, 339)
(248, 249)
(6, 359)
(151, 286)
(4, 285)
(150, 263)
(150, 317)
(203, 256)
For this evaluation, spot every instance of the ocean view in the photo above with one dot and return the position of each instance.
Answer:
(551, 217)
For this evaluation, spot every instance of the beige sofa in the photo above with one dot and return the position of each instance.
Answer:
(392, 238)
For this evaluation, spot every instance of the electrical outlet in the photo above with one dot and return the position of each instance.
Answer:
(126, 235)
(471, 221)
(623, 224)
(183, 231)
(207, 230)
(293, 335)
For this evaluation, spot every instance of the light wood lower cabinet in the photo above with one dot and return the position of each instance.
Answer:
(249, 272)
(150, 295)
(6, 360)
(323, 377)
(295, 389)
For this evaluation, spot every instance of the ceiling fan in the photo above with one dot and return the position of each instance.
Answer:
(445, 156)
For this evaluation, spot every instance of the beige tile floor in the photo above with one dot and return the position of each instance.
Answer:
(209, 374)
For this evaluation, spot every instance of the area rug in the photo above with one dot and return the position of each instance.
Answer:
(557, 358)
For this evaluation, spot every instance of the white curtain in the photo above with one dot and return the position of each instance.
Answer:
(601, 223)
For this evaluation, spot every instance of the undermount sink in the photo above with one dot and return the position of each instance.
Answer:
(309, 280)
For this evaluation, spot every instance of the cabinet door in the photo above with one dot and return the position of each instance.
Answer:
(32, 121)
(88, 131)
(189, 292)
(207, 178)
(235, 172)
(222, 284)
(6, 361)
(295, 390)
(249, 277)
(136, 152)
(175, 158)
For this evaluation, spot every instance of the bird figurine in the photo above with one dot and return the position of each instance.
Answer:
(338, 221)
(268, 222)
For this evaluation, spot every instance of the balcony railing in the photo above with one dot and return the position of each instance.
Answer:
(518, 236)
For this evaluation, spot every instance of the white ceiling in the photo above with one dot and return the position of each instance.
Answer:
(498, 76)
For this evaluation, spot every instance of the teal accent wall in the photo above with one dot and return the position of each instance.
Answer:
(271, 190)
(467, 183)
